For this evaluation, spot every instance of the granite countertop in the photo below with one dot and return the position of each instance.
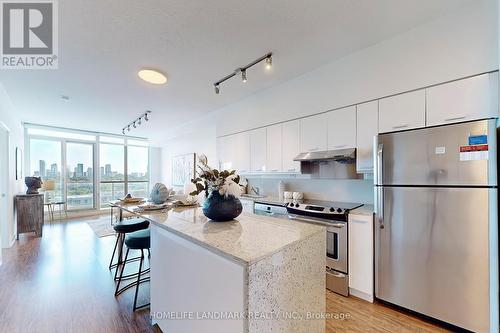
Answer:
(363, 210)
(247, 239)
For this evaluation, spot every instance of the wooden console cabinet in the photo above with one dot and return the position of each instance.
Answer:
(29, 208)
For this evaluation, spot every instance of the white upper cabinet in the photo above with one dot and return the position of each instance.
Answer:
(239, 151)
(258, 147)
(366, 129)
(467, 99)
(402, 112)
(313, 133)
(342, 128)
(290, 145)
(274, 159)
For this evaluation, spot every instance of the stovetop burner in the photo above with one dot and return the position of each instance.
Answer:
(321, 209)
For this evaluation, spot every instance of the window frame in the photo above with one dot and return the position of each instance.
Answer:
(96, 159)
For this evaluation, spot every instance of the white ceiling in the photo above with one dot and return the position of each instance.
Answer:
(103, 44)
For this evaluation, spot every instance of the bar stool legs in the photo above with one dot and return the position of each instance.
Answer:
(137, 283)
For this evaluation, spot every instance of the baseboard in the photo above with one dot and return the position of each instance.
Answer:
(360, 294)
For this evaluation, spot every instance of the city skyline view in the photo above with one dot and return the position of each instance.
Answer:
(77, 176)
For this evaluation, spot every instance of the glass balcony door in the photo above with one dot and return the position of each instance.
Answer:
(80, 175)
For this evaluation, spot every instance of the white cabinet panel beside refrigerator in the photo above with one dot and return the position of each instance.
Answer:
(290, 145)
(274, 147)
(258, 146)
(342, 128)
(361, 256)
(468, 99)
(366, 129)
(402, 112)
(313, 133)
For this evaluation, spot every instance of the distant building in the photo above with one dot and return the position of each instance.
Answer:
(54, 171)
(79, 170)
(90, 173)
(102, 172)
(107, 171)
(42, 171)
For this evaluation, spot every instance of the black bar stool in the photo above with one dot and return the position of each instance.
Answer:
(122, 228)
(139, 240)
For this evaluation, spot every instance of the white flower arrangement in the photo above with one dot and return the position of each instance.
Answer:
(225, 182)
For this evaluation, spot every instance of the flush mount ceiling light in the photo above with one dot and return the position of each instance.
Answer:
(152, 76)
(243, 70)
(137, 122)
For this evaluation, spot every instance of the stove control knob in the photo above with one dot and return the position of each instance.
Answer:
(332, 210)
(297, 205)
(339, 210)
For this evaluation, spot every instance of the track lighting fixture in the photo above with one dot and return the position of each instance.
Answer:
(243, 70)
(269, 62)
(137, 122)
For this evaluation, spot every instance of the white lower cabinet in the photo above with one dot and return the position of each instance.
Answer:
(361, 256)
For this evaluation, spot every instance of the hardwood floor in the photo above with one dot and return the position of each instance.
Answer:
(61, 283)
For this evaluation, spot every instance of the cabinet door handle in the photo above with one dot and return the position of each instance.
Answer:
(313, 149)
(454, 118)
(274, 170)
(340, 146)
(400, 126)
(292, 169)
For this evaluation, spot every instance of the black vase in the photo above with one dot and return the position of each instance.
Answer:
(219, 208)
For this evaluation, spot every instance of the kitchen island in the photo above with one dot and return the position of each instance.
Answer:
(253, 274)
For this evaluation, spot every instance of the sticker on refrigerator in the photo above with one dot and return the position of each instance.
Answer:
(476, 152)
(440, 150)
(478, 140)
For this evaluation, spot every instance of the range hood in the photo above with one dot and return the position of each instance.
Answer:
(340, 155)
(329, 164)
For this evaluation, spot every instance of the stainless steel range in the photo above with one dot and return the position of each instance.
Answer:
(332, 215)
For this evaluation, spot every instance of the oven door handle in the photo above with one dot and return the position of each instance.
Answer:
(326, 223)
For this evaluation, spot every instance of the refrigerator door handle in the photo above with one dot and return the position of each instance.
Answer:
(380, 206)
(380, 152)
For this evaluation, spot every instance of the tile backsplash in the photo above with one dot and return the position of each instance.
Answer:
(343, 190)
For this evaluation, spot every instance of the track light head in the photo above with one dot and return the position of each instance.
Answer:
(140, 120)
(128, 128)
(269, 62)
(217, 89)
(123, 131)
(244, 75)
(133, 124)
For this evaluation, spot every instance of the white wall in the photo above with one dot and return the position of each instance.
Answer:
(155, 166)
(462, 43)
(197, 137)
(9, 118)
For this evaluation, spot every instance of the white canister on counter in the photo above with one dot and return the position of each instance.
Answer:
(298, 195)
(287, 195)
(281, 190)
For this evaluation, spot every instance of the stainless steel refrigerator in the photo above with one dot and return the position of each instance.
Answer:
(436, 228)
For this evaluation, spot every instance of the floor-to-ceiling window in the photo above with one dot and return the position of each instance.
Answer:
(87, 169)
